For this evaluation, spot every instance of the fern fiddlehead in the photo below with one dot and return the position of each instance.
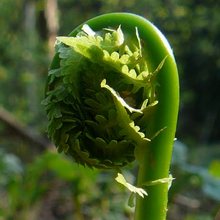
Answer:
(98, 97)
(105, 93)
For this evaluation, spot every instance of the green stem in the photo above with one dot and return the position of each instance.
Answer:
(156, 157)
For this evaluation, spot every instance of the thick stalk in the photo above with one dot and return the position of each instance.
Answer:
(157, 155)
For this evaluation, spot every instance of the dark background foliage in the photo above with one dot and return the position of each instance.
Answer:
(28, 30)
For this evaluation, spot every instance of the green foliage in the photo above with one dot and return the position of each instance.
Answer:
(99, 96)
(51, 173)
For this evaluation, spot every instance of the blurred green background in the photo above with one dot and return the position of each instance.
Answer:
(37, 183)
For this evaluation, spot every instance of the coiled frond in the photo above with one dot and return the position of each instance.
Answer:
(99, 96)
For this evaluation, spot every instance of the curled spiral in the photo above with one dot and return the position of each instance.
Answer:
(99, 95)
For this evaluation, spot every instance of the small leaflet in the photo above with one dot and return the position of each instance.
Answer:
(120, 179)
(121, 100)
(168, 180)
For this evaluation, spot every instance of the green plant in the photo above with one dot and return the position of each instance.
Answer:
(112, 98)
(52, 180)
